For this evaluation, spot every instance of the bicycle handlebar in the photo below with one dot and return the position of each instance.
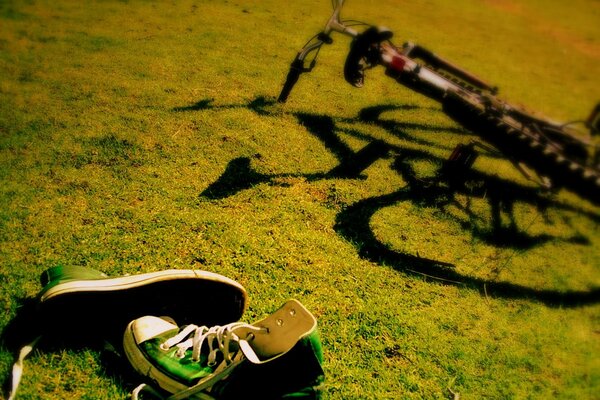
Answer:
(335, 24)
(297, 67)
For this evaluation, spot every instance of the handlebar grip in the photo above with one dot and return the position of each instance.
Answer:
(292, 77)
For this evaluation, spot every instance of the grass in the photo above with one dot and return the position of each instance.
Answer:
(139, 136)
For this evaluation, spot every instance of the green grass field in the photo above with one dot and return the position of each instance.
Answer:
(137, 136)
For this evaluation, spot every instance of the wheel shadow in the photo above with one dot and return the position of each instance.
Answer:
(439, 191)
(353, 224)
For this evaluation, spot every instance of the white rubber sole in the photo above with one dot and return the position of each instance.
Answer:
(187, 296)
(133, 281)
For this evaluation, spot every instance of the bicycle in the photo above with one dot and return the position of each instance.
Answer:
(562, 155)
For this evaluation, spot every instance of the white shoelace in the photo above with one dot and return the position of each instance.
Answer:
(218, 339)
(17, 370)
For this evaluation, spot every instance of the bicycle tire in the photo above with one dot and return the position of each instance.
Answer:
(512, 137)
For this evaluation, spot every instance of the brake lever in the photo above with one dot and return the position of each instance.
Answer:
(323, 38)
(302, 68)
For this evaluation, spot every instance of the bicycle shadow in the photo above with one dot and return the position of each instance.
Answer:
(353, 224)
(439, 191)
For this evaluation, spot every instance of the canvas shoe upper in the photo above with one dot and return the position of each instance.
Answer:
(278, 357)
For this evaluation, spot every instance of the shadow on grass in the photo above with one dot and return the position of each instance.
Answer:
(238, 174)
(438, 191)
(25, 327)
(353, 225)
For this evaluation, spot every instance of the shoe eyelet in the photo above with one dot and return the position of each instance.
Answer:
(293, 312)
(164, 347)
(279, 322)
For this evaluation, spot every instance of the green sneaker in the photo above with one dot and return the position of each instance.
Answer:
(279, 357)
(79, 305)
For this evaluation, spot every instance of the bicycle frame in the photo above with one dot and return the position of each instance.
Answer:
(552, 149)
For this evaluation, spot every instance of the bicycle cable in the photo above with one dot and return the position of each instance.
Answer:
(311, 39)
(354, 22)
